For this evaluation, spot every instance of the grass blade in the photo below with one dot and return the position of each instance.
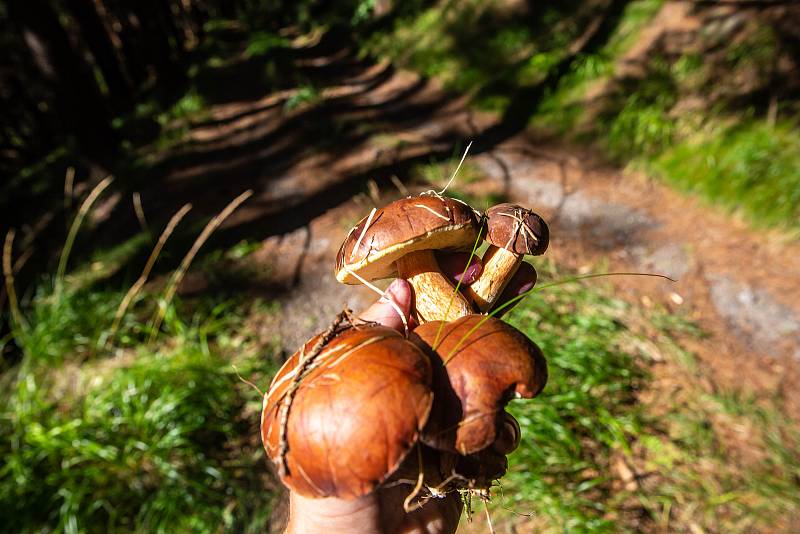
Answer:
(516, 299)
(453, 177)
(8, 275)
(175, 280)
(76, 224)
(139, 284)
(458, 286)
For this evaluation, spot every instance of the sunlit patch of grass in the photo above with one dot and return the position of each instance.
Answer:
(305, 95)
(587, 412)
(731, 466)
(147, 437)
(474, 47)
(260, 43)
(70, 326)
(153, 432)
(188, 106)
(563, 108)
(640, 129)
(154, 443)
(752, 166)
(599, 407)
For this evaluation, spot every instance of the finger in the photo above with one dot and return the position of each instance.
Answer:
(454, 266)
(383, 312)
(508, 436)
(523, 280)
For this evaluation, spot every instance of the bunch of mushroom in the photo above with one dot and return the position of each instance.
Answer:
(361, 406)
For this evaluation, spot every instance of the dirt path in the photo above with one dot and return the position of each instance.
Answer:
(740, 285)
(372, 122)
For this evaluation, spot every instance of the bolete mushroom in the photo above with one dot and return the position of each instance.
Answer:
(341, 425)
(513, 232)
(399, 240)
(480, 363)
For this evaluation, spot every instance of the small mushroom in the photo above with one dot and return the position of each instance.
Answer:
(513, 232)
(355, 413)
(479, 364)
(399, 240)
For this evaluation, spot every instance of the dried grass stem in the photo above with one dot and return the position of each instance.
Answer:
(140, 282)
(180, 272)
(8, 275)
(76, 224)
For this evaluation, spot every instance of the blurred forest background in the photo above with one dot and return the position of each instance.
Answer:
(178, 175)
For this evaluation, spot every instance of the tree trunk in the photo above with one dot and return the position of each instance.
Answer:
(128, 36)
(94, 32)
(167, 19)
(78, 101)
(155, 39)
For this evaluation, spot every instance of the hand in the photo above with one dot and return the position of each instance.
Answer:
(452, 265)
(382, 511)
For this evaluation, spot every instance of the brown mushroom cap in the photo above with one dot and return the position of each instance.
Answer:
(474, 378)
(517, 229)
(355, 417)
(415, 223)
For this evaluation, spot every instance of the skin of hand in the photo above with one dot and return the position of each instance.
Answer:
(382, 511)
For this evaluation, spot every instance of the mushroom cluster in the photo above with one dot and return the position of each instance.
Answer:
(362, 405)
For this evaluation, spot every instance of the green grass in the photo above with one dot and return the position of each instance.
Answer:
(163, 437)
(261, 42)
(158, 438)
(306, 95)
(154, 432)
(751, 165)
(471, 48)
(563, 109)
(591, 416)
(587, 413)
(141, 447)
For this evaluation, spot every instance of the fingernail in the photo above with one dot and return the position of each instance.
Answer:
(397, 292)
(393, 289)
(470, 274)
(525, 287)
(509, 436)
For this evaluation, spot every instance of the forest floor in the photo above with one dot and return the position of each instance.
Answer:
(131, 373)
(308, 156)
(738, 283)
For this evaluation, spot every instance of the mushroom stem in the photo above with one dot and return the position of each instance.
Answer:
(499, 266)
(432, 290)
